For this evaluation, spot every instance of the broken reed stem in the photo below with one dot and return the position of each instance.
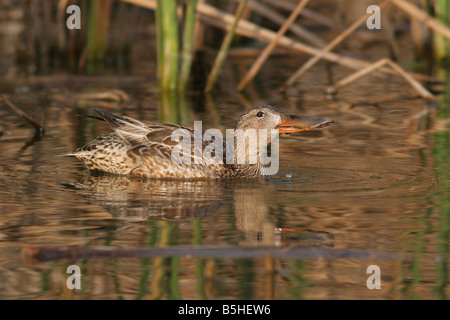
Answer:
(221, 19)
(222, 54)
(199, 29)
(354, 76)
(416, 85)
(188, 43)
(313, 60)
(268, 50)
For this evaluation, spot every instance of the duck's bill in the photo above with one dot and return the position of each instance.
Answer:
(292, 124)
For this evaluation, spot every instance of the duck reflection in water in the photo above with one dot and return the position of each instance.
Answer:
(134, 199)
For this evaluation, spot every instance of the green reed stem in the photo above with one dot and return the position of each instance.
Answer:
(223, 52)
(200, 262)
(168, 44)
(168, 111)
(174, 276)
(441, 44)
(98, 29)
(188, 43)
(159, 46)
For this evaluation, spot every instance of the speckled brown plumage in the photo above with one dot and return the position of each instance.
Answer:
(142, 148)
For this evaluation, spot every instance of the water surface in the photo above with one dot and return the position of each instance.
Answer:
(373, 189)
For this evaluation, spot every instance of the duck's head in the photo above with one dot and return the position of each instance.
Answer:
(269, 117)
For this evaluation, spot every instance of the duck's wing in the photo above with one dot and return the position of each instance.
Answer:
(152, 138)
(135, 132)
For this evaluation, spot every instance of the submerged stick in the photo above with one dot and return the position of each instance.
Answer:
(39, 129)
(313, 60)
(351, 78)
(221, 55)
(267, 51)
(42, 254)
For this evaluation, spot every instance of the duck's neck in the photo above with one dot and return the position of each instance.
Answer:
(249, 149)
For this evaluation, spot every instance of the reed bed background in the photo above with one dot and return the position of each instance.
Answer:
(177, 31)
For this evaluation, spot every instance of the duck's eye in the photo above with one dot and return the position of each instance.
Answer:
(260, 114)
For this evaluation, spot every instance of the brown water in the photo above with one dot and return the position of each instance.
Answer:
(373, 189)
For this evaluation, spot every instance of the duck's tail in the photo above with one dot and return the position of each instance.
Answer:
(67, 154)
(130, 130)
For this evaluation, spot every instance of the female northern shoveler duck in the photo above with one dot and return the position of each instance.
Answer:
(144, 148)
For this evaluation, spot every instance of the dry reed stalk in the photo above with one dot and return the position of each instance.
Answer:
(389, 33)
(278, 18)
(289, 6)
(419, 36)
(150, 4)
(223, 20)
(422, 16)
(416, 85)
(268, 50)
(60, 20)
(356, 75)
(374, 66)
(199, 30)
(220, 19)
(313, 60)
(222, 54)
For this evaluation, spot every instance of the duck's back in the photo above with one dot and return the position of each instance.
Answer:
(151, 150)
